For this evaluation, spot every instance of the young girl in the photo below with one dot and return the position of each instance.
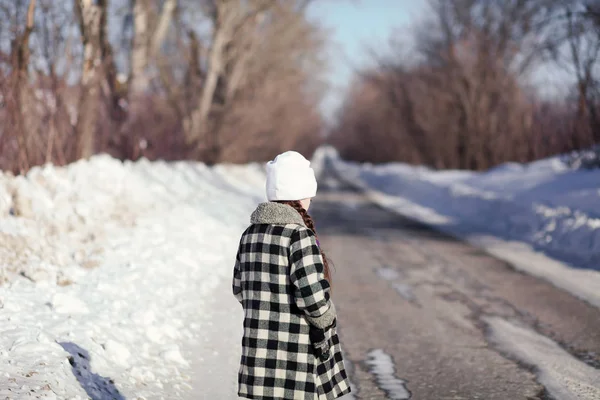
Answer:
(290, 348)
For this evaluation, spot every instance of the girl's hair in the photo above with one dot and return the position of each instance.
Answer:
(308, 221)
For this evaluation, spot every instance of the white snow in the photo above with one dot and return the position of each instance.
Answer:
(381, 365)
(564, 376)
(65, 303)
(542, 217)
(107, 270)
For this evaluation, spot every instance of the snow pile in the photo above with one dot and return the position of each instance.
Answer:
(106, 268)
(546, 205)
(588, 159)
(562, 375)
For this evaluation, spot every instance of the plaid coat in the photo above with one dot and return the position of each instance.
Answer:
(279, 280)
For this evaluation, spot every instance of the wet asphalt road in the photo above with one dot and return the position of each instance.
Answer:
(412, 305)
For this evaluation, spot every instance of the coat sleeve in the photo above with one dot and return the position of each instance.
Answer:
(237, 282)
(307, 275)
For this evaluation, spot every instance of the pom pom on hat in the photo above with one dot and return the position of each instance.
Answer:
(290, 177)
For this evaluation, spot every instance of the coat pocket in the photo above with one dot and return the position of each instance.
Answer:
(322, 341)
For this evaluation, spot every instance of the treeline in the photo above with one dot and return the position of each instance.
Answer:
(464, 94)
(212, 80)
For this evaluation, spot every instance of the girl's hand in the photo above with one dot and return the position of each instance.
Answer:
(320, 339)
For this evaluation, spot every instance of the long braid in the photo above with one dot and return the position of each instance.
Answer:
(310, 224)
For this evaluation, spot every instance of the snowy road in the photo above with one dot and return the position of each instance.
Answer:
(424, 314)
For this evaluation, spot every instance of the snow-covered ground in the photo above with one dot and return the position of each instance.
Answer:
(112, 274)
(542, 217)
(108, 269)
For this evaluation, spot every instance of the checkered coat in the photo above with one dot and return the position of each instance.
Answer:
(279, 280)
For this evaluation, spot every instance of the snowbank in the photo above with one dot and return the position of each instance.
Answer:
(545, 205)
(106, 267)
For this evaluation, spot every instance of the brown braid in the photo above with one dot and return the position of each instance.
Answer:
(308, 221)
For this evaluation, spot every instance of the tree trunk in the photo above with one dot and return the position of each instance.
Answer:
(20, 61)
(90, 14)
(162, 28)
(196, 125)
(138, 80)
(147, 42)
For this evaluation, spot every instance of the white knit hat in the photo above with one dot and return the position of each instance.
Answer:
(290, 177)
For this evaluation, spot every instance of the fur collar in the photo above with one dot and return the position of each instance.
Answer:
(276, 214)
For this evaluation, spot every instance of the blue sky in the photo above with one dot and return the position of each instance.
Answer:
(356, 26)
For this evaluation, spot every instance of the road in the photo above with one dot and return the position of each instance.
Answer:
(424, 316)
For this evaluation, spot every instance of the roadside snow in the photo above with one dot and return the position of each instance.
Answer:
(564, 376)
(107, 268)
(542, 207)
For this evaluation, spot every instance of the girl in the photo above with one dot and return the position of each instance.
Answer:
(290, 348)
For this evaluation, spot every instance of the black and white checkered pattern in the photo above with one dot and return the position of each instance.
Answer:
(279, 279)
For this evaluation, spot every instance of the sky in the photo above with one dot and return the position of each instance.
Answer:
(357, 27)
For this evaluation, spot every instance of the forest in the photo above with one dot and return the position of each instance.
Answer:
(214, 80)
(240, 81)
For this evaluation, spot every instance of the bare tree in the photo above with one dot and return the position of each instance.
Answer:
(276, 86)
(138, 78)
(20, 55)
(229, 19)
(147, 41)
(92, 17)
